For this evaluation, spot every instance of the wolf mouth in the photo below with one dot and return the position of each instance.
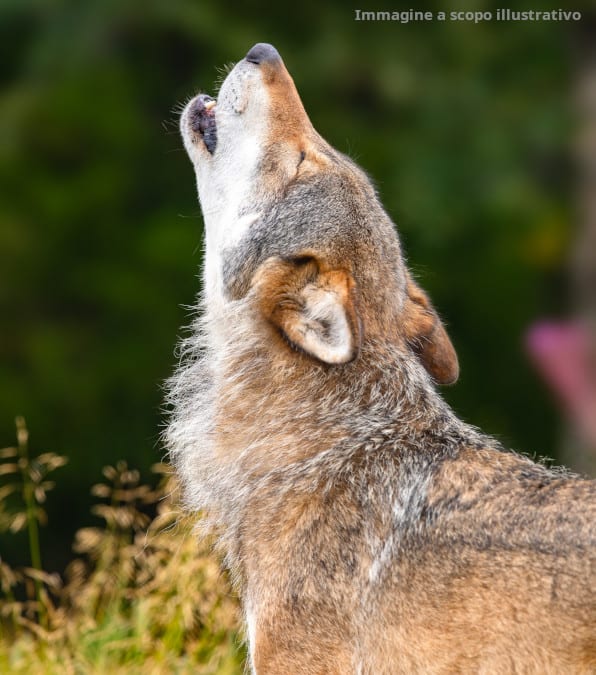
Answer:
(202, 120)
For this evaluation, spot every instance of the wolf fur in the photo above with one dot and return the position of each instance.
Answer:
(367, 528)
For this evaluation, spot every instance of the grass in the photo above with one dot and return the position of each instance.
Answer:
(142, 595)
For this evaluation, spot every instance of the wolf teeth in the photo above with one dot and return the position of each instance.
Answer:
(210, 104)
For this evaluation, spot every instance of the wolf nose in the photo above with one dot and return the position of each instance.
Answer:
(263, 53)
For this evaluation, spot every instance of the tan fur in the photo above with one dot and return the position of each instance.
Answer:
(368, 529)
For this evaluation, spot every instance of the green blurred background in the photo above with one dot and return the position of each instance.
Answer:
(465, 129)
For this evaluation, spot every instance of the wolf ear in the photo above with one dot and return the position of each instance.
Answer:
(428, 338)
(314, 309)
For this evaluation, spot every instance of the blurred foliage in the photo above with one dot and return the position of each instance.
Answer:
(464, 128)
(142, 595)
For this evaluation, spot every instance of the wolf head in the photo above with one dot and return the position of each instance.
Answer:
(296, 228)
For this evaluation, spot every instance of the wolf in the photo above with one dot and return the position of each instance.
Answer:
(367, 528)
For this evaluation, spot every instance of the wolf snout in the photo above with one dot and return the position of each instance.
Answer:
(263, 53)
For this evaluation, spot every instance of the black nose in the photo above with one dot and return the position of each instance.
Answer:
(263, 53)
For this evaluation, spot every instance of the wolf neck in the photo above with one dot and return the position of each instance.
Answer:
(243, 418)
(298, 416)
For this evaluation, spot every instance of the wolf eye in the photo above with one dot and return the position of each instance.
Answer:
(302, 157)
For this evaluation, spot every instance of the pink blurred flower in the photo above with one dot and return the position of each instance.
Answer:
(563, 354)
